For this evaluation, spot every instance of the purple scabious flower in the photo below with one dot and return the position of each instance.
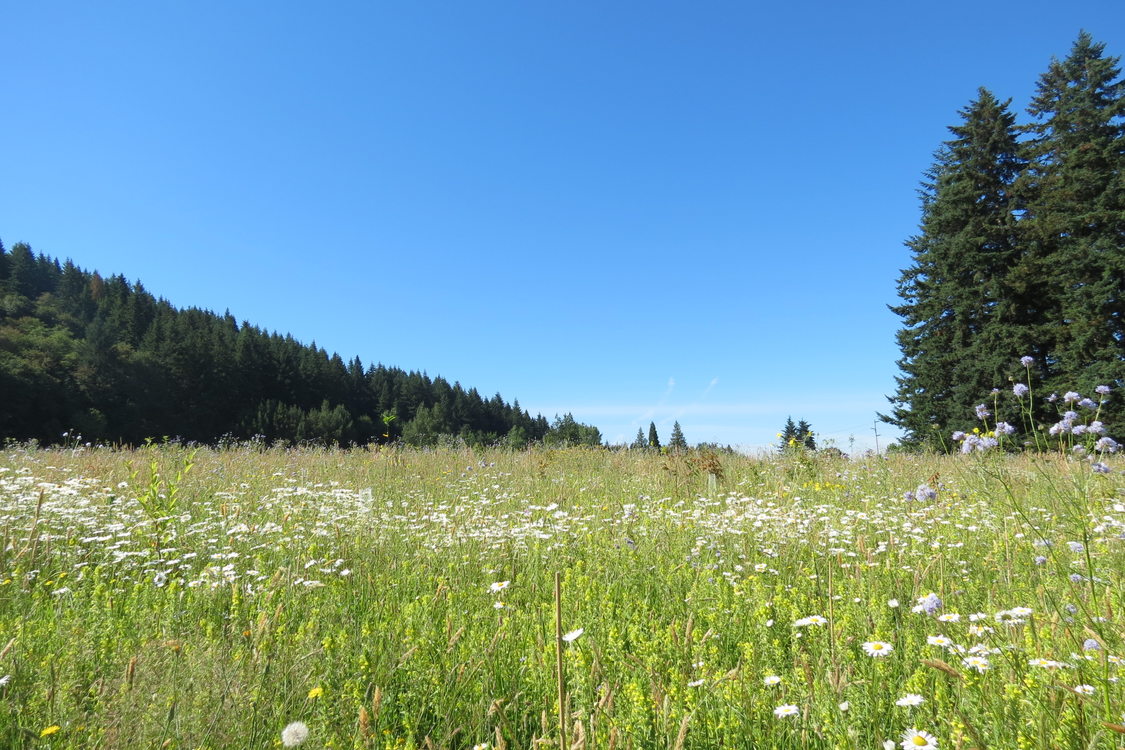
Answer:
(925, 492)
(1060, 428)
(982, 411)
(1102, 390)
(1091, 645)
(1003, 428)
(1020, 390)
(1096, 427)
(1040, 560)
(1079, 429)
(1070, 397)
(1053, 397)
(1106, 445)
(929, 603)
(958, 436)
(1027, 361)
(986, 443)
(1076, 578)
(908, 496)
(1088, 403)
(1100, 468)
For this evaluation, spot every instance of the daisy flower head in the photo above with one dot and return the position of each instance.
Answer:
(916, 739)
(786, 710)
(910, 700)
(810, 620)
(978, 663)
(949, 617)
(294, 734)
(573, 635)
(878, 648)
(772, 680)
(1084, 689)
(499, 586)
(939, 640)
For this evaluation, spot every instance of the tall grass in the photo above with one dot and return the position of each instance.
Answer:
(400, 599)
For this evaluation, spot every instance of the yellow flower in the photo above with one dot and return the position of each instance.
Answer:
(316, 692)
(49, 731)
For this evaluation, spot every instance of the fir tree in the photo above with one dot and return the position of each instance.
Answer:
(677, 441)
(1073, 195)
(964, 327)
(805, 435)
(653, 438)
(788, 435)
(639, 442)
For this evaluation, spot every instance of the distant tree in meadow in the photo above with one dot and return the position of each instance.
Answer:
(639, 442)
(805, 435)
(787, 438)
(677, 442)
(653, 438)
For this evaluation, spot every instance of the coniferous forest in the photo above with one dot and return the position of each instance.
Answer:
(1020, 255)
(102, 358)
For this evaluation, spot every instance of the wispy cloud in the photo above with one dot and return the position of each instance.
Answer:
(813, 409)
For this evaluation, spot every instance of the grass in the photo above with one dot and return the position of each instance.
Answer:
(163, 598)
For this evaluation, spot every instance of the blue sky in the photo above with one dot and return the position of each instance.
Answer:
(632, 211)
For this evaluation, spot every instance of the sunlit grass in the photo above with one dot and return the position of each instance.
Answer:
(405, 599)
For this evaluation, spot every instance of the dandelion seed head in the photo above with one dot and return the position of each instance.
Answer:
(294, 734)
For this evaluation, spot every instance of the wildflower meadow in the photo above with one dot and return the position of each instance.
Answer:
(247, 597)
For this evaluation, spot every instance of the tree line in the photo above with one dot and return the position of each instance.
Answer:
(98, 356)
(1020, 255)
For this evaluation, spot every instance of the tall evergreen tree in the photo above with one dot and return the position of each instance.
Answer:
(639, 442)
(1073, 193)
(653, 438)
(964, 326)
(677, 441)
(788, 436)
(805, 435)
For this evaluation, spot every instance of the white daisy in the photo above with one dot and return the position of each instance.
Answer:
(786, 710)
(916, 739)
(878, 648)
(910, 700)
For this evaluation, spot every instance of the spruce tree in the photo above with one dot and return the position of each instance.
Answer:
(639, 442)
(964, 326)
(653, 438)
(677, 441)
(805, 435)
(1073, 195)
(788, 435)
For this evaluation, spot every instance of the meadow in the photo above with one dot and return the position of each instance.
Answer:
(166, 597)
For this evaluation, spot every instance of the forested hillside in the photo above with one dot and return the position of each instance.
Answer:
(104, 358)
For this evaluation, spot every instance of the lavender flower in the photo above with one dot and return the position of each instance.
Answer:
(1106, 445)
(929, 604)
(1020, 390)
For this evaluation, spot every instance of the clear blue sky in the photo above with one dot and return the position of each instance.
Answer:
(632, 211)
